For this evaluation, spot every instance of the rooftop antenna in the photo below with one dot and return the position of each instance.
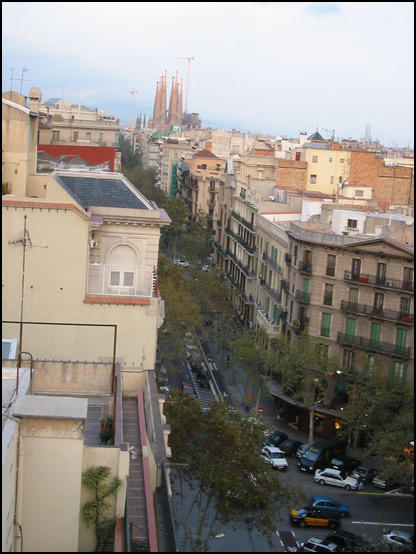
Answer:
(190, 59)
(21, 78)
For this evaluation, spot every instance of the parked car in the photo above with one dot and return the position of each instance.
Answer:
(345, 463)
(205, 267)
(302, 449)
(313, 517)
(345, 540)
(335, 477)
(329, 505)
(365, 473)
(276, 438)
(381, 483)
(290, 446)
(400, 539)
(275, 457)
(319, 454)
(313, 544)
(182, 263)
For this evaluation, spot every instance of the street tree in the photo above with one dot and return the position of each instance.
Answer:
(228, 479)
(252, 356)
(178, 212)
(304, 371)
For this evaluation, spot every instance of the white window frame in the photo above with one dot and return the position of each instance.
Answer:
(121, 279)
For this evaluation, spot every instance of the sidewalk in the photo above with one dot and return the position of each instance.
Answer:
(239, 399)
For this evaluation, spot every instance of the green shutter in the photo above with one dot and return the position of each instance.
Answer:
(375, 335)
(351, 329)
(305, 286)
(401, 340)
(326, 325)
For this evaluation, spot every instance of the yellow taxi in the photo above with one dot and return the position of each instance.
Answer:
(313, 517)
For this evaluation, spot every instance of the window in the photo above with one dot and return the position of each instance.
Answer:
(353, 296)
(328, 294)
(378, 302)
(330, 160)
(331, 180)
(75, 136)
(341, 161)
(88, 136)
(397, 369)
(381, 273)
(315, 159)
(375, 335)
(404, 306)
(326, 325)
(348, 360)
(100, 137)
(55, 135)
(8, 349)
(352, 223)
(313, 180)
(121, 278)
(359, 192)
(259, 174)
(330, 265)
(203, 166)
(407, 277)
(356, 268)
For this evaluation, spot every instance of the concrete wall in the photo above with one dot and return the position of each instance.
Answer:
(9, 468)
(50, 465)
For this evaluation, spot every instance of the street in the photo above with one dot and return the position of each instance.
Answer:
(372, 511)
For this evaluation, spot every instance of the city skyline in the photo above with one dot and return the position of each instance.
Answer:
(267, 67)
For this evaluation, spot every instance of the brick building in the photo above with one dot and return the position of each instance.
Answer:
(392, 185)
(291, 174)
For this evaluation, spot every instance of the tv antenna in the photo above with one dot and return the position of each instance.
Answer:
(189, 59)
(11, 69)
(133, 91)
(21, 78)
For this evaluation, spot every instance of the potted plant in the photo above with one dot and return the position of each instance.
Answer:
(108, 424)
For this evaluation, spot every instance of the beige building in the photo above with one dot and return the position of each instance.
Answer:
(199, 185)
(173, 151)
(76, 124)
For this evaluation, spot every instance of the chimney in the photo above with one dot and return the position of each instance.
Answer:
(34, 99)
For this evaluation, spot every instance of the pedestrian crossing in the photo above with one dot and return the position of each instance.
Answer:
(204, 395)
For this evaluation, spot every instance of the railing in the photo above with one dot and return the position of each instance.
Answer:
(143, 280)
(300, 324)
(249, 273)
(305, 268)
(373, 280)
(276, 295)
(364, 309)
(302, 297)
(374, 345)
(272, 263)
(271, 328)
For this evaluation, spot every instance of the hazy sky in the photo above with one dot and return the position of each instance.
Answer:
(270, 67)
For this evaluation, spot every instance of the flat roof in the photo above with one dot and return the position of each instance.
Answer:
(52, 407)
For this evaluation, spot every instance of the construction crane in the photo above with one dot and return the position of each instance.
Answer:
(133, 91)
(190, 59)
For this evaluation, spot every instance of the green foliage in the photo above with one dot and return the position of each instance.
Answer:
(129, 159)
(224, 469)
(95, 511)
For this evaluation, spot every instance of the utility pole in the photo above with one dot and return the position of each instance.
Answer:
(190, 59)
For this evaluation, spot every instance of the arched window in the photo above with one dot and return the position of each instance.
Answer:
(122, 267)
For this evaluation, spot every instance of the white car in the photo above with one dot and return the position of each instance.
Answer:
(329, 476)
(205, 267)
(399, 539)
(275, 457)
(182, 263)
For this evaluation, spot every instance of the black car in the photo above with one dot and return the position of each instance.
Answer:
(345, 464)
(276, 438)
(365, 473)
(345, 540)
(289, 446)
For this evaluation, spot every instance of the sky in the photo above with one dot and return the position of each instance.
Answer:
(275, 68)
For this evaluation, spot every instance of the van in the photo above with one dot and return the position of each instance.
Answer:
(320, 453)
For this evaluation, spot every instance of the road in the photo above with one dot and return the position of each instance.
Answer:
(372, 511)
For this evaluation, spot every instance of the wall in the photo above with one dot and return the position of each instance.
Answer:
(291, 175)
(324, 169)
(118, 462)
(9, 457)
(90, 154)
(50, 465)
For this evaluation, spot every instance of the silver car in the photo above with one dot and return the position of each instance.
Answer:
(335, 477)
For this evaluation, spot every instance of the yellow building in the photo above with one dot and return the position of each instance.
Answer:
(327, 167)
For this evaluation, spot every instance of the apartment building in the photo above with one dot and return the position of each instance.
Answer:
(272, 279)
(172, 152)
(327, 169)
(199, 185)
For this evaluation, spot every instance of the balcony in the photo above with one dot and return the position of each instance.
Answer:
(305, 268)
(121, 281)
(288, 258)
(249, 273)
(272, 263)
(371, 311)
(273, 293)
(302, 297)
(374, 281)
(374, 346)
(262, 321)
(300, 324)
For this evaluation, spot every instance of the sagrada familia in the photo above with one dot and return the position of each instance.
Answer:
(162, 118)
